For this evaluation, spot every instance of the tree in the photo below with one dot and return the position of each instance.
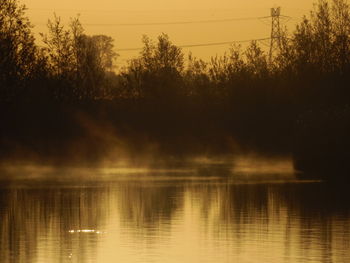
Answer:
(157, 72)
(18, 53)
(105, 51)
(341, 28)
(321, 41)
(95, 63)
(79, 62)
(196, 77)
(256, 60)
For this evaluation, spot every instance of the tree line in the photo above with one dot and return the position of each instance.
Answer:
(239, 92)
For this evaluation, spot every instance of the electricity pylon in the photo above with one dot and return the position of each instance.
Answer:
(275, 42)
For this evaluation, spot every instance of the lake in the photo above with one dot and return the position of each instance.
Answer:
(211, 214)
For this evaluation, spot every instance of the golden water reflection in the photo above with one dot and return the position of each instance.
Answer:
(175, 221)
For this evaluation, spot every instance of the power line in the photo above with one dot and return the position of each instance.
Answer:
(180, 22)
(202, 44)
(282, 17)
(142, 10)
(177, 22)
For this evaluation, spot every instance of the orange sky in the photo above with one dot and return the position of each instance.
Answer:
(101, 17)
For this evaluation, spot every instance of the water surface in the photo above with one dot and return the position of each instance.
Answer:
(174, 216)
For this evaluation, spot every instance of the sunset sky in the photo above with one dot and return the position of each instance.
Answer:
(105, 17)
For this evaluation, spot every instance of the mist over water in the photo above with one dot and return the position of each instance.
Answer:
(152, 166)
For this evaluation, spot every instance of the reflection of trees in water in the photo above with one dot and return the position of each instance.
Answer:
(227, 210)
(277, 220)
(148, 206)
(310, 220)
(323, 211)
(35, 223)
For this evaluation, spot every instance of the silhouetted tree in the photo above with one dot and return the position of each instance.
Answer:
(196, 78)
(256, 61)
(157, 72)
(77, 61)
(18, 53)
